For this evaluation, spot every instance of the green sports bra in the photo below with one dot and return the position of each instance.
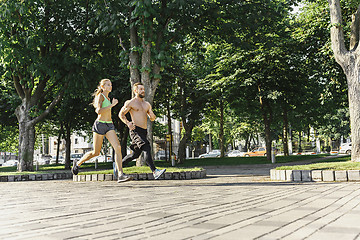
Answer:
(105, 103)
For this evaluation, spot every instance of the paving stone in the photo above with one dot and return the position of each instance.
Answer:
(203, 173)
(289, 175)
(168, 175)
(134, 176)
(227, 205)
(297, 175)
(272, 174)
(3, 178)
(182, 176)
(109, 177)
(94, 177)
(17, 178)
(88, 178)
(176, 175)
(142, 176)
(305, 175)
(353, 175)
(341, 176)
(277, 175)
(82, 178)
(316, 175)
(150, 176)
(194, 175)
(282, 175)
(328, 176)
(101, 177)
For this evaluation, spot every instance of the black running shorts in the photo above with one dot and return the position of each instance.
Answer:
(138, 138)
(102, 128)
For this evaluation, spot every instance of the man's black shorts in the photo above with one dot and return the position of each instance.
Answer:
(138, 138)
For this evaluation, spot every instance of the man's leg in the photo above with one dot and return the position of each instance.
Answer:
(134, 155)
(147, 152)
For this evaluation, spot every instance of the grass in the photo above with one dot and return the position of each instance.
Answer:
(89, 168)
(143, 169)
(188, 165)
(341, 163)
(246, 160)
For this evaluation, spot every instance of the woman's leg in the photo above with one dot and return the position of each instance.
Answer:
(97, 143)
(114, 141)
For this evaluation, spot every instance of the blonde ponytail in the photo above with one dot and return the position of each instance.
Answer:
(97, 91)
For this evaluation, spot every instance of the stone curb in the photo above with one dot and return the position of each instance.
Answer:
(36, 177)
(315, 175)
(143, 176)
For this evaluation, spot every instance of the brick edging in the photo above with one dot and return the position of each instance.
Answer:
(36, 177)
(315, 175)
(143, 176)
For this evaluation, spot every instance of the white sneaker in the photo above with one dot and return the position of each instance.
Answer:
(124, 178)
(157, 173)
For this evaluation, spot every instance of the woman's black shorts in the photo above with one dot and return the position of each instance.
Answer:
(102, 128)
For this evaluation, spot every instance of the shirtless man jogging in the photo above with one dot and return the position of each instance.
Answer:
(139, 110)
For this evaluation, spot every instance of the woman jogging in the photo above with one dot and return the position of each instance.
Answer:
(103, 126)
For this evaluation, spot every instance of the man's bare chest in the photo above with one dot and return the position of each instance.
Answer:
(139, 108)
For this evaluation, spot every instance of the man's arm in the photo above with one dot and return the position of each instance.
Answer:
(151, 113)
(124, 110)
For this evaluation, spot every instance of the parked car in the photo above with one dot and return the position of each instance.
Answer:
(345, 148)
(213, 153)
(61, 160)
(261, 151)
(235, 153)
(160, 155)
(75, 156)
(10, 163)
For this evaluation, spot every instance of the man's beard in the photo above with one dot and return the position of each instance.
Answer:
(141, 95)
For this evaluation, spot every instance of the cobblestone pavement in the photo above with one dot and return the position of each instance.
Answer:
(231, 203)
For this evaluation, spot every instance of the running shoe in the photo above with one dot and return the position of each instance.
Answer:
(124, 178)
(157, 173)
(75, 168)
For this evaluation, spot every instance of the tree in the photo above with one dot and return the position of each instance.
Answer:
(38, 40)
(349, 61)
(148, 31)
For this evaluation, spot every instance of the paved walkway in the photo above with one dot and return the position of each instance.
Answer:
(231, 203)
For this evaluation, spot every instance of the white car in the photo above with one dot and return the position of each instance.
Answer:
(236, 153)
(345, 148)
(10, 163)
(211, 154)
(61, 160)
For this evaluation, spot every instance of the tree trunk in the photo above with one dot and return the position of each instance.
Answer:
(58, 143)
(169, 127)
(349, 61)
(267, 118)
(285, 132)
(247, 143)
(186, 137)
(26, 137)
(354, 108)
(221, 133)
(67, 146)
(268, 140)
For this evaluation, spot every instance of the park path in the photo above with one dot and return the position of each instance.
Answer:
(231, 203)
